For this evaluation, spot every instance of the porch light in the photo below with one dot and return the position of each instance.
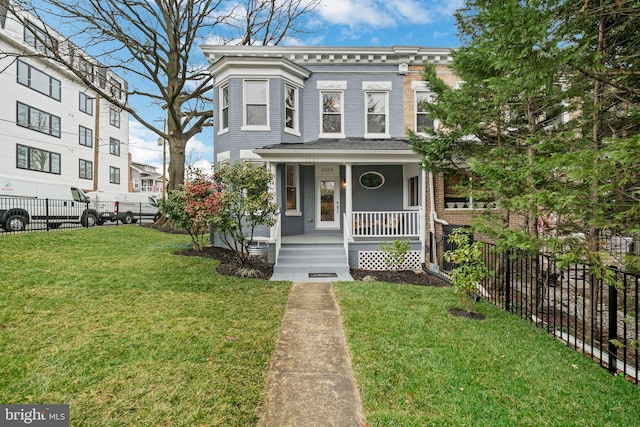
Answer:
(344, 183)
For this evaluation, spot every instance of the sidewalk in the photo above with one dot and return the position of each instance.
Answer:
(310, 382)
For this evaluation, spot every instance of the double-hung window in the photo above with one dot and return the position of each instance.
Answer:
(86, 169)
(114, 117)
(291, 110)
(377, 114)
(85, 136)
(114, 146)
(423, 121)
(114, 175)
(41, 82)
(38, 120)
(332, 115)
(292, 178)
(224, 108)
(256, 107)
(86, 104)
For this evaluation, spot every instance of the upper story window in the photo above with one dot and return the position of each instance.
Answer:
(291, 109)
(116, 88)
(38, 120)
(224, 108)
(101, 73)
(114, 117)
(85, 68)
(114, 146)
(114, 175)
(377, 116)
(256, 111)
(85, 136)
(37, 160)
(86, 104)
(39, 39)
(423, 121)
(38, 81)
(3, 15)
(86, 169)
(332, 116)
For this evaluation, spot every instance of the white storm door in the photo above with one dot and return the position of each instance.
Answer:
(328, 203)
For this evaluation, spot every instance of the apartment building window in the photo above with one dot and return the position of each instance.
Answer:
(291, 109)
(102, 77)
(332, 117)
(3, 15)
(114, 146)
(423, 120)
(86, 169)
(256, 111)
(85, 136)
(114, 175)
(38, 120)
(377, 117)
(86, 104)
(85, 68)
(41, 82)
(292, 177)
(116, 88)
(39, 39)
(35, 159)
(114, 117)
(224, 108)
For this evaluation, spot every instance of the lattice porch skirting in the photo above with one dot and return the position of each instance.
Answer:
(375, 260)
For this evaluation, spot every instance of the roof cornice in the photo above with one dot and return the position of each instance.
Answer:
(309, 55)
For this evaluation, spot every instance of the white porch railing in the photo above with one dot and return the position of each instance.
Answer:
(276, 234)
(387, 224)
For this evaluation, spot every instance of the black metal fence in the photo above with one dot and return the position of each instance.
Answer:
(589, 315)
(31, 214)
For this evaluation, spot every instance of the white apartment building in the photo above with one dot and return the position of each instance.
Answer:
(52, 126)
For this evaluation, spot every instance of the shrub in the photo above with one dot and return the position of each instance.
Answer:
(395, 253)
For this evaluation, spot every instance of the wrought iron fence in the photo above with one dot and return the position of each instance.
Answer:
(586, 313)
(31, 214)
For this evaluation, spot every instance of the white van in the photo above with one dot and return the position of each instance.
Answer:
(23, 201)
(123, 207)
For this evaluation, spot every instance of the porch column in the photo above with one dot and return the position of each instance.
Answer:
(274, 195)
(423, 213)
(348, 207)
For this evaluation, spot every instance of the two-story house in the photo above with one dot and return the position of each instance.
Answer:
(54, 127)
(330, 122)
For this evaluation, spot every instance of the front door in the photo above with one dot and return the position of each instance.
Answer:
(328, 202)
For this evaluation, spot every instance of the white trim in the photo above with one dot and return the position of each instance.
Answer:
(376, 86)
(222, 129)
(385, 134)
(331, 85)
(419, 85)
(410, 171)
(295, 130)
(245, 126)
(223, 157)
(340, 134)
(296, 184)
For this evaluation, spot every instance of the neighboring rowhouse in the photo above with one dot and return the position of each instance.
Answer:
(331, 122)
(54, 128)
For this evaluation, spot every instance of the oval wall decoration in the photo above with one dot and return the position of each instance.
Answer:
(372, 180)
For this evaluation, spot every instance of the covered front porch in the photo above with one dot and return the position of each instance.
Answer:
(364, 193)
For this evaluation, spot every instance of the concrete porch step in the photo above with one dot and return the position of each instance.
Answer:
(327, 262)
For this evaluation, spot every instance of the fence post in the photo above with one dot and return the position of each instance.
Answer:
(507, 282)
(613, 328)
(46, 212)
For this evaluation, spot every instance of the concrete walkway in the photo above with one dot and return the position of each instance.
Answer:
(311, 382)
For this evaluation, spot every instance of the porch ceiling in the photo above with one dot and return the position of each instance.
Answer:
(381, 151)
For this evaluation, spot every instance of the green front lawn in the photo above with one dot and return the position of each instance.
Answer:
(416, 365)
(109, 321)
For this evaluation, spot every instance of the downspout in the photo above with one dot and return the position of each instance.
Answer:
(433, 218)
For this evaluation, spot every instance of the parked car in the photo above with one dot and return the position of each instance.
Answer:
(123, 207)
(23, 201)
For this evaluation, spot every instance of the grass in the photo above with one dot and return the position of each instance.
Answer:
(416, 365)
(109, 321)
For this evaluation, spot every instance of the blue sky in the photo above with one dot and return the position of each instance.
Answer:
(426, 23)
